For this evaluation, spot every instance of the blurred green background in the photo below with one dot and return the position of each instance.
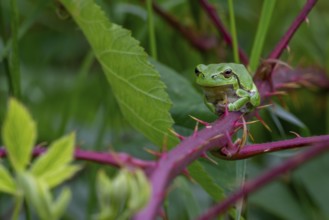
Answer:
(65, 89)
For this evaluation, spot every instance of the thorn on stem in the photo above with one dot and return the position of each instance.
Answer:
(290, 85)
(244, 134)
(186, 173)
(263, 122)
(226, 152)
(205, 156)
(295, 133)
(206, 124)
(180, 137)
(153, 152)
(229, 140)
(288, 49)
(195, 132)
(277, 93)
(264, 106)
(215, 137)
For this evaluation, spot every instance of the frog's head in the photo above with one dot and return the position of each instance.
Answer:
(215, 75)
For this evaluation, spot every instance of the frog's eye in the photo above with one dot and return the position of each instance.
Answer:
(227, 73)
(197, 72)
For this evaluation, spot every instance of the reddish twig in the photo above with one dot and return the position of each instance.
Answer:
(256, 149)
(175, 161)
(221, 28)
(283, 43)
(264, 179)
(201, 43)
(113, 159)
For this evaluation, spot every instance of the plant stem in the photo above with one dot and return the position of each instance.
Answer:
(197, 41)
(283, 43)
(233, 32)
(211, 12)
(151, 29)
(19, 199)
(113, 159)
(264, 21)
(264, 179)
(73, 104)
(257, 149)
(14, 58)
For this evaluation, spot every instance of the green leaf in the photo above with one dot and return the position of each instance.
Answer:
(52, 167)
(7, 183)
(287, 116)
(135, 83)
(59, 206)
(58, 176)
(187, 101)
(314, 184)
(188, 197)
(241, 167)
(37, 194)
(19, 134)
(104, 185)
(59, 154)
(264, 21)
(198, 173)
(15, 75)
(278, 200)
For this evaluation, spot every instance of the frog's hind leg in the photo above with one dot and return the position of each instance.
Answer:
(255, 100)
(238, 104)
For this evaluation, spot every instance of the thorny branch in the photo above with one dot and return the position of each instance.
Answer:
(113, 159)
(283, 43)
(173, 162)
(264, 179)
(211, 12)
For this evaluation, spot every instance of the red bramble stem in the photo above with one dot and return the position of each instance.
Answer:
(283, 43)
(212, 13)
(264, 179)
(256, 149)
(113, 159)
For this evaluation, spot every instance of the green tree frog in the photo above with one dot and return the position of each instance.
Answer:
(227, 84)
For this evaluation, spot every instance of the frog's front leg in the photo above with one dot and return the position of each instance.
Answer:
(244, 99)
(209, 105)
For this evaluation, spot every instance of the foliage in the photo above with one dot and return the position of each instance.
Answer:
(53, 56)
(34, 183)
(122, 197)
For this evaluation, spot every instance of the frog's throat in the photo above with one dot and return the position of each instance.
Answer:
(220, 94)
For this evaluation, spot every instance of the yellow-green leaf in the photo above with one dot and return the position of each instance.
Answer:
(58, 154)
(7, 183)
(19, 135)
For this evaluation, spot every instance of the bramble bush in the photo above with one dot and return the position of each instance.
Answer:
(144, 144)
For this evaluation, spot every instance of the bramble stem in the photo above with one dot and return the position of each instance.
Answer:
(264, 179)
(197, 41)
(256, 149)
(150, 24)
(283, 43)
(113, 159)
(221, 28)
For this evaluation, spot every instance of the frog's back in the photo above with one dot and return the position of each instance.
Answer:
(244, 76)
